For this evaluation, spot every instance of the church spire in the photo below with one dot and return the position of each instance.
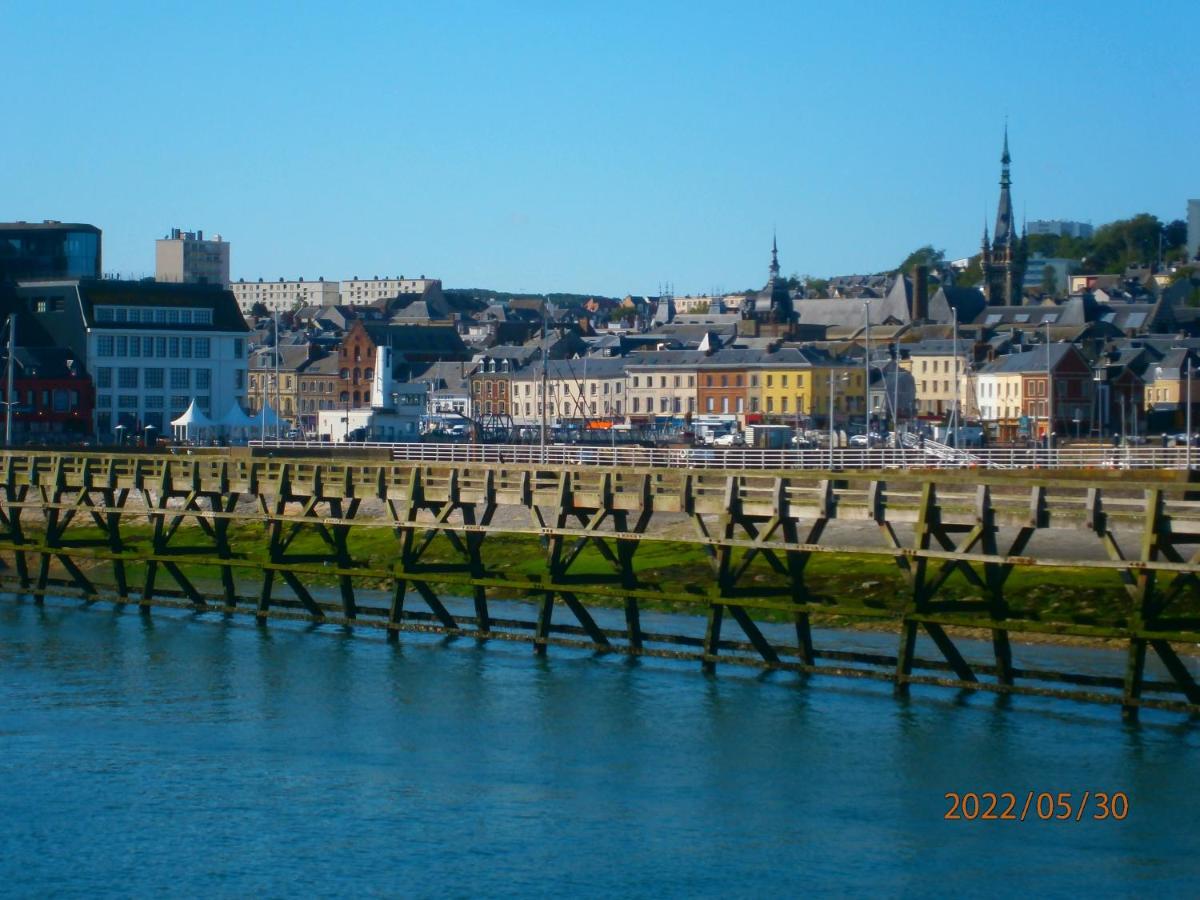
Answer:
(774, 257)
(1005, 226)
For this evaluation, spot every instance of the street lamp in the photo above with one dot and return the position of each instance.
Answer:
(1049, 393)
(845, 377)
(957, 386)
(1187, 367)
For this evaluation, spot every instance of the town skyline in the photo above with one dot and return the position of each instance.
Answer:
(579, 152)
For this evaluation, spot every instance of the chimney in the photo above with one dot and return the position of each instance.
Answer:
(920, 308)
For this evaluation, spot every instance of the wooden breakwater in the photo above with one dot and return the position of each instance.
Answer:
(81, 523)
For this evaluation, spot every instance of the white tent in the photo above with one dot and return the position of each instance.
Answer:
(271, 417)
(236, 423)
(191, 423)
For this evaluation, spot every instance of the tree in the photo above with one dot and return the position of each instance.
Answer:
(813, 287)
(972, 274)
(259, 309)
(923, 256)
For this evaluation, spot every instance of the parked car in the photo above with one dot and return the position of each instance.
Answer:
(733, 439)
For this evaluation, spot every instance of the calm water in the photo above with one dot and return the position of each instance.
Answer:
(188, 755)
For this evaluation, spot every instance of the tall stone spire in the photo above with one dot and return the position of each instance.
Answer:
(1005, 228)
(774, 257)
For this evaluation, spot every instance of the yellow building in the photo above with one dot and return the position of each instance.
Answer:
(791, 383)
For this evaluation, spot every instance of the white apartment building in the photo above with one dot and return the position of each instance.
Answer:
(284, 295)
(361, 291)
(185, 257)
(578, 389)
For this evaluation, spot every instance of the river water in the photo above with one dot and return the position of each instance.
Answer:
(178, 754)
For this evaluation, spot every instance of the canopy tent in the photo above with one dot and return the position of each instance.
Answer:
(191, 423)
(235, 417)
(266, 413)
(236, 424)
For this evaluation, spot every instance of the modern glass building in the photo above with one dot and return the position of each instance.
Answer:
(49, 250)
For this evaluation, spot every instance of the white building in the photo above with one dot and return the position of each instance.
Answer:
(284, 295)
(398, 421)
(1060, 227)
(150, 347)
(578, 389)
(361, 291)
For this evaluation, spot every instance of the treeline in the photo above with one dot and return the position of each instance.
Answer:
(488, 296)
(1113, 248)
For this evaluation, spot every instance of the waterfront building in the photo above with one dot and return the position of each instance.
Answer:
(577, 390)
(661, 386)
(53, 396)
(723, 383)
(940, 376)
(32, 251)
(186, 257)
(1014, 398)
(318, 386)
(151, 348)
(793, 386)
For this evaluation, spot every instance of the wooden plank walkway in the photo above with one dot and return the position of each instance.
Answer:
(759, 529)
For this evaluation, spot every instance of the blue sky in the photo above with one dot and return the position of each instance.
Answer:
(586, 147)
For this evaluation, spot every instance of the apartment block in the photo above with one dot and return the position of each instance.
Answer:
(185, 257)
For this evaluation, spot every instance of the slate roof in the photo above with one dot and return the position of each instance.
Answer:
(226, 314)
(1030, 362)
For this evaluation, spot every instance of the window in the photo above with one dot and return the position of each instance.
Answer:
(104, 345)
(770, 381)
(204, 379)
(127, 401)
(173, 344)
(180, 379)
(710, 404)
(104, 377)
(154, 402)
(104, 314)
(635, 381)
(783, 381)
(186, 347)
(104, 401)
(127, 378)
(238, 348)
(178, 404)
(637, 404)
(203, 348)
